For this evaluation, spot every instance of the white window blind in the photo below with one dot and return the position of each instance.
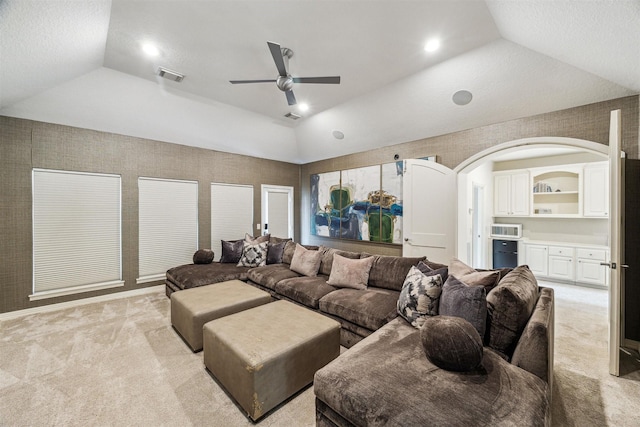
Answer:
(168, 226)
(76, 233)
(231, 214)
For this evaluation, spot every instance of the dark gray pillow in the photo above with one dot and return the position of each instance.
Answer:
(275, 252)
(231, 251)
(451, 343)
(510, 306)
(428, 270)
(203, 256)
(467, 302)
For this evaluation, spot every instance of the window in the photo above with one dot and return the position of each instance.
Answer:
(231, 213)
(76, 233)
(168, 226)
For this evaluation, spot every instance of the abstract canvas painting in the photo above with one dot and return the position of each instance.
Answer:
(360, 204)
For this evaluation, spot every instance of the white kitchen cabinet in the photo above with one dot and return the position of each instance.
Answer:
(568, 263)
(511, 193)
(596, 190)
(588, 268)
(537, 258)
(560, 263)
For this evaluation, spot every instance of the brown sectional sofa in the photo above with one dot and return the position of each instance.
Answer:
(386, 379)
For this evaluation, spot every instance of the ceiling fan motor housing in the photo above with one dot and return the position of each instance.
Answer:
(285, 83)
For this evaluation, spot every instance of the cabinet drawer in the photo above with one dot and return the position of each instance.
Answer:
(561, 250)
(597, 254)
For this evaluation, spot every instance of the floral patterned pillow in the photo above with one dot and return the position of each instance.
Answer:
(419, 297)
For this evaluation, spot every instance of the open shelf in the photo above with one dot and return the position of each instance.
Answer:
(556, 194)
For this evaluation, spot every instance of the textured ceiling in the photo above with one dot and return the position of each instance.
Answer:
(80, 63)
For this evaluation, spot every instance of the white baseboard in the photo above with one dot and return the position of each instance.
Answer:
(79, 302)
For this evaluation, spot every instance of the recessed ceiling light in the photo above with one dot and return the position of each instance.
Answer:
(303, 106)
(462, 97)
(337, 134)
(432, 45)
(150, 49)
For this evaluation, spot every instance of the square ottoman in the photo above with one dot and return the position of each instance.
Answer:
(264, 355)
(192, 308)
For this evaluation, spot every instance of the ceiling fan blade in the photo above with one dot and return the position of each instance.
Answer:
(238, 82)
(276, 52)
(291, 99)
(333, 80)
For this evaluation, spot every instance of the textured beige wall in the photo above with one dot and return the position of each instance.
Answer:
(589, 122)
(26, 144)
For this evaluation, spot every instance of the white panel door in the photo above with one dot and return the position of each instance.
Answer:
(277, 210)
(616, 248)
(536, 257)
(429, 211)
(520, 194)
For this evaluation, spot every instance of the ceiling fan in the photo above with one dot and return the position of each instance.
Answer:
(285, 81)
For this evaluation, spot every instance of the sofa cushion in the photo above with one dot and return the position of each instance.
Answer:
(306, 261)
(419, 297)
(274, 252)
(510, 306)
(387, 380)
(327, 259)
(231, 251)
(451, 343)
(370, 308)
(350, 273)
(203, 256)
(194, 275)
(253, 254)
(269, 275)
(472, 277)
(467, 302)
(389, 272)
(305, 290)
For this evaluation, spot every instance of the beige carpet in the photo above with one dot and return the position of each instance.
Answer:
(119, 363)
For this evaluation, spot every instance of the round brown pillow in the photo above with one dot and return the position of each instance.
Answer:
(203, 256)
(451, 343)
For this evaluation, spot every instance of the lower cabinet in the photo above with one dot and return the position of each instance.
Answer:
(588, 269)
(567, 263)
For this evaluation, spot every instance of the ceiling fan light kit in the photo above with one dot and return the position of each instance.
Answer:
(285, 81)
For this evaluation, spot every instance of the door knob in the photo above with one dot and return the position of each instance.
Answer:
(406, 239)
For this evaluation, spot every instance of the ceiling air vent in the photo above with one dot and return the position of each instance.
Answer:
(292, 116)
(170, 75)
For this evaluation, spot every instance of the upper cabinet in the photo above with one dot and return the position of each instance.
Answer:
(557, 192)
(511, 193)
(596, 190)
(566, 191)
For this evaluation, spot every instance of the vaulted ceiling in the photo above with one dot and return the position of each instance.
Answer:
(81, 63)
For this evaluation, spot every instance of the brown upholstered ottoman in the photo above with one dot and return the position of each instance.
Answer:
(264, 355)
(192, 308)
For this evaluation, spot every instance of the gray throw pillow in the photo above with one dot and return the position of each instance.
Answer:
(306, 261)
(350, 273)
(253, 255)
(203, 256)
(231, 251)
(451, 343)
(428, 270)
(275, 252)
(467, 302)
(419, 297)
(510, 305)
(249, 238)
